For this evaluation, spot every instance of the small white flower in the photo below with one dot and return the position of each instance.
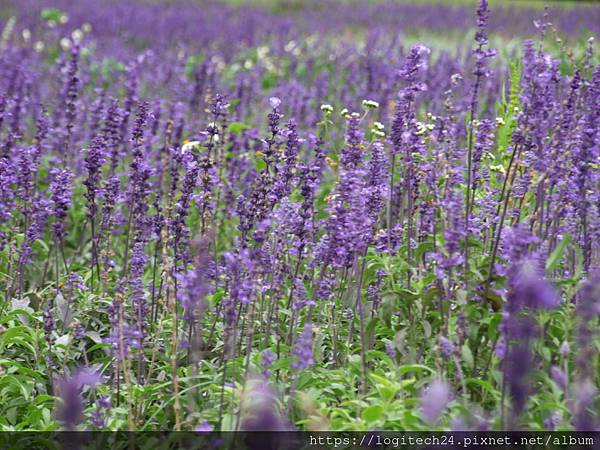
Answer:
(498, 168)
(189, 146)
(500, 121)
(86, 27)
(262, 52)
(274, 102)
(327, 108)
(344, 112)
(370, 104)
(378, 125)
(456, 78)
(77, 35)
(290, 46)
(38, 46)
(26, 34)
(65, 44)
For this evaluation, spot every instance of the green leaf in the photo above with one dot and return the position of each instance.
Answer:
(423, 248)
(237, 128)
(557, 254)
(192, 62)
(370, 331)
(53, 14)
(547, 354)
(426, 329)
(228, 423)
(472, 241)
(385, 387)
(305, 379)
(260, 164)
(283, 363)
(372, 413)
(414, 368)
(405, 294)
(485, 385)
(378, 379)
(467, 355)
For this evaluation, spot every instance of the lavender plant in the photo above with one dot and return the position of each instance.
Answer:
(235, 218)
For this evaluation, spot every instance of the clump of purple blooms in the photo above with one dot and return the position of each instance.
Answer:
(223, 218)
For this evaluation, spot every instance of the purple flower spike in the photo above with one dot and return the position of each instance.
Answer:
(267, 359)
(303, 349)
(70, 387)
(260, 409)
(434, 400)
(559, 377)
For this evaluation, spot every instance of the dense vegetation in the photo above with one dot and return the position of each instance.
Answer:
(223, 217)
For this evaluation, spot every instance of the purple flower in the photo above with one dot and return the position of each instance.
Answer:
(404, 120)
(376, 178)
(585, 397)
(532, 291)
(564, 349)
(94, 158)
(71, 94)
(104, 402)
(99, 412)
(434, 400)
(446, 347)
(553, 420)
(349, 227)
(70, 388)
(284, 181)
(559, 377)
(41, 211)
(259, 408)
(303, 349)
(266, 360)
(178, 223)
(518, 364)
(390, 350)
(500, 349)
(78, 331)
(76, 281)
(587, 310)
(239, 266)
(194, 284)
(136, 285)
(203, 427)
(60, 190)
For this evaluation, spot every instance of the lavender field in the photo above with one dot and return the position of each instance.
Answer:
(317, 215)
